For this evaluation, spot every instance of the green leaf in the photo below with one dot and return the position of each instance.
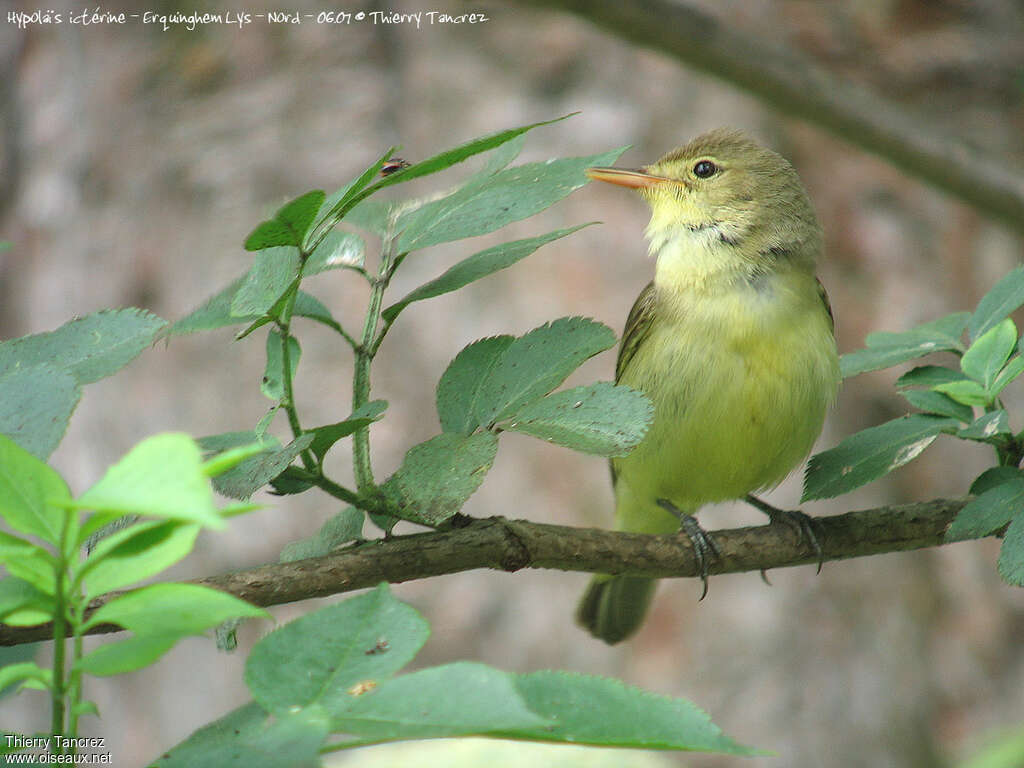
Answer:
(272, 385)
(987, 426)
(28, 562)
(602, 419)
(936, 402)
(1011, 554)
(24, 673)
(988, 354)
(992, 477)
(270, 234)
(928, 376)
(870, 454)
(36, 403)
(135, 553)
(319, 657)
(477, 266)
(91, 347)
(298, 214)
(459, 386)
(272, 273)
(173, 610)
(338, 250)
(27, 488)
(462, 152)
(289, 225)
(509, 195)
(1004, 297)
(160, 477)
(536, 363)
(249, 737)
(886, 349)
(126, 655)
(311, 307)
(337, 205)
(989, 512)
(215, 312)
(593, 710)
(344, 527)
(967, 392)
(1013, 369)
(436, 477)
(450, 700)
(372, 215)
(252, 474)
(18, 596)
(326, 436)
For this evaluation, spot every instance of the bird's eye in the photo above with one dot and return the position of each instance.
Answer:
(705, 169)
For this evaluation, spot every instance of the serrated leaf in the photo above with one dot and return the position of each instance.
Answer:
(988, 354)
(885, 349)
(536, 363)
(272, 273)
(509, 195)
(252, 474)
(450, 700)
(936, 402)
(326, 436)
(438, 476)
(28, 490)
(299, 213)
(270, 234)
(319, 657)
(595, 710)
(989, 512)
(338, 250)
(929, 376)
(36, 403)
(602, 419)
(1003, 299)
(91, 347)
(344, 527)
(160, 477)
(477, 266)
(272, 385)
(967, 392)
(987, 426)
(459, 386)
(249, 737)
(870, 454)
(1011, 554)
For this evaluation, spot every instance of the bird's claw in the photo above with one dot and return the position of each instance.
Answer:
(806, 527)
(704, 546)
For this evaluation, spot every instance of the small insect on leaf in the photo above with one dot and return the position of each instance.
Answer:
(381, 646)
(393, 165)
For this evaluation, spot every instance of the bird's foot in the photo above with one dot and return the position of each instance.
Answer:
(703, 545)
(806, 527)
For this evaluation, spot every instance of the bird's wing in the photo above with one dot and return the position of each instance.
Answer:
(638, 325)
(824, 300)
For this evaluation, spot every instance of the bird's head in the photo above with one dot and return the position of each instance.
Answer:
(723, 187)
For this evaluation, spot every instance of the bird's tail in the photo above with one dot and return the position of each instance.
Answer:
(613, 607)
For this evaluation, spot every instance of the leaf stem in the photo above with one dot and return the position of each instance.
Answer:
(365, 352)
(58, 692)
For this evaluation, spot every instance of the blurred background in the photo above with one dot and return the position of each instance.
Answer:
(135, 160)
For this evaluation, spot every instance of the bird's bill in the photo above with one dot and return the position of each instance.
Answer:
(626, 177)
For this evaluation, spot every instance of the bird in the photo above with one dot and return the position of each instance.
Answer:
(733, 341)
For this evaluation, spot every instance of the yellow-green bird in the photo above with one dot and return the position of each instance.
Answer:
(733, 343)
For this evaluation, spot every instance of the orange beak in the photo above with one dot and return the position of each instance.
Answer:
(625, 177)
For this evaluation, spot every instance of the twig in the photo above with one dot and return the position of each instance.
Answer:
(509, 545)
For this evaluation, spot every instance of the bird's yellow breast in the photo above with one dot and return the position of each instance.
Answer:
(741, 374)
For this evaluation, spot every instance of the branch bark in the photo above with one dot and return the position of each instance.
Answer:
(797, 87)
(509, 545)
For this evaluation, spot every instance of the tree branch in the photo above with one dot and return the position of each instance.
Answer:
(509, 545)
(797, 87)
